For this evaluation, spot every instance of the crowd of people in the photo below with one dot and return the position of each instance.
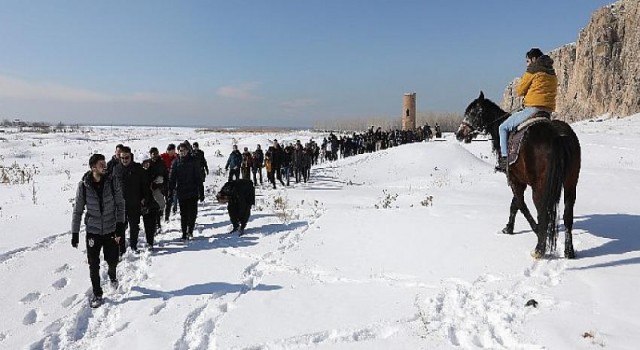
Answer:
(333, 147)
(117, 193)
(114, 196)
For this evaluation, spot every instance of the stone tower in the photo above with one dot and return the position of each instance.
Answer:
(409, 111)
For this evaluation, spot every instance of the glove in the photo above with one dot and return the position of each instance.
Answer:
(120, 229)
(75, 238)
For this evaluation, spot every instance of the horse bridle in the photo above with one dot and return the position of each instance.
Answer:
(473, 129)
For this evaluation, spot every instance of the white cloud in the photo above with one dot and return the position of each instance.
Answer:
(21, 89)
(244, 91)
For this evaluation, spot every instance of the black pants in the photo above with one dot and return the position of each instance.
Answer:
(239, 214)
(168, 203)
(150, 221)
(188, 215)
(110, 250)
(234, 172)
(257, 171)
(133, 221)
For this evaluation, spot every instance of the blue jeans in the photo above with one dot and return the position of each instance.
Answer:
(511, 124)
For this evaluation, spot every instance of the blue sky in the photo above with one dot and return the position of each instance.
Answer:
(266, 63)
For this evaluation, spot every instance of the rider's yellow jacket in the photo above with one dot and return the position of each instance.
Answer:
(539, 84)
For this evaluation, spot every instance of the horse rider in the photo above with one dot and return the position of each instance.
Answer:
(539, 86)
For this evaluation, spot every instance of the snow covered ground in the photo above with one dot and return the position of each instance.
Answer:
(393, 250)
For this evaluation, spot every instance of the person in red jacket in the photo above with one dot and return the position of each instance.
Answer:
(167, 158)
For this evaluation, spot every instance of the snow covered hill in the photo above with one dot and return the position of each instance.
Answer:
(398, 249)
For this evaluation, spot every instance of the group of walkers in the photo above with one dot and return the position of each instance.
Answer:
(333, 147)
(116, 194)
(280, 163)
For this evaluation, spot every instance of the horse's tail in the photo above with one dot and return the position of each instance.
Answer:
(555, 178)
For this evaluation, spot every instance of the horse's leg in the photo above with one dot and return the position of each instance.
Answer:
(569, 201)
(513, 209)
(543, 222)
(527, 214)
(517, 202)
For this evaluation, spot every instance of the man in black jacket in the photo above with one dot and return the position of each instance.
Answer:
(159, 179)
(239, 195)
(115, 159)
(257, 164)
(135, 189)
(185, 177)
(277, 156)
(101, 195)
(198, 154)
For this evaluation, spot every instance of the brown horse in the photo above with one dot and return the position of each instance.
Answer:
(548, 160)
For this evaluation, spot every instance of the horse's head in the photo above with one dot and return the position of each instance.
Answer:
(475, 118)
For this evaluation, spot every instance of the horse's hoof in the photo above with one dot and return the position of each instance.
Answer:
(507, 230)
(537, 255)
(569, 254)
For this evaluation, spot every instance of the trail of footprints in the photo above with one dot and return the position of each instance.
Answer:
(33, 315)
(79, 327)
(442, 316)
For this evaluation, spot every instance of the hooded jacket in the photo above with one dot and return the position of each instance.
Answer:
(103, 211)
(539, 84)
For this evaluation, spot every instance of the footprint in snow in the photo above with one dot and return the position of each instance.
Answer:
(31, 297)
(68, 301)
(30, 318)
(63, 268)
(61, 283)
(158, 308)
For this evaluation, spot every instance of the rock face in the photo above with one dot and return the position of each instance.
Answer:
(600, 72)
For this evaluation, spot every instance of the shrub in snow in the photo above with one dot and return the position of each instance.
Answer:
(17, 174)
(427, 202)
(387, 200)
(281, 209)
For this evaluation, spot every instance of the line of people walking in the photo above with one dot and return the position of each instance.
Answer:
(280, 163)
(116, 194)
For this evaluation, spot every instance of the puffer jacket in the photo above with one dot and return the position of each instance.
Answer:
(539, 84)
(102, 212)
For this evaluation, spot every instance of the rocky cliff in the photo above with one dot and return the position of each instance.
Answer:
(600, 72)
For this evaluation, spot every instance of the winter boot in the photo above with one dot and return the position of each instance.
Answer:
(96, 301)
(502, 165)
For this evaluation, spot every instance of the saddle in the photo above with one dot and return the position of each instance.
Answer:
(516, 137)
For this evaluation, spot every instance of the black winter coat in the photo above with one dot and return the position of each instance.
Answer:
(135, 186)
(186, 178)
(277, 156)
